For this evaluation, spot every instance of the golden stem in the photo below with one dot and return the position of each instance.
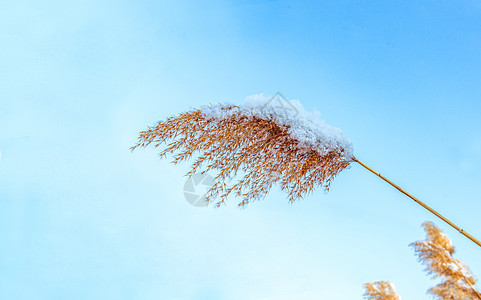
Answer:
(422, 204)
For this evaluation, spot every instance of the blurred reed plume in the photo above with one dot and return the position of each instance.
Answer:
(381, 290)
(436, 253)
(258, 141)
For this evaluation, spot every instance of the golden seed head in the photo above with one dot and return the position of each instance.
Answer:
(262, 150)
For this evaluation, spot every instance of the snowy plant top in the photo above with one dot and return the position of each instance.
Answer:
(270, 140)
(306, 127)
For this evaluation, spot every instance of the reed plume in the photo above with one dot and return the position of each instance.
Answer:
(436, 253)
(266, 143)
(381, 290)
(263, 144)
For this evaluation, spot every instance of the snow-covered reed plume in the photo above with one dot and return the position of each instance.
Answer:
(266, 142)
(381, 290)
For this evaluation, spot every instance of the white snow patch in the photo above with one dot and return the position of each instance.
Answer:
(306, 127)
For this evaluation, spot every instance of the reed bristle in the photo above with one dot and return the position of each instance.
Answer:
(261, 149)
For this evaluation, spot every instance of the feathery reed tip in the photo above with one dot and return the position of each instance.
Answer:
(381, 290)
(435, 252)
(264, 140)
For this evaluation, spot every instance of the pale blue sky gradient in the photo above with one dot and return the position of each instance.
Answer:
(81, 217)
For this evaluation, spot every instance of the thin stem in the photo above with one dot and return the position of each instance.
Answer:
(422, 204)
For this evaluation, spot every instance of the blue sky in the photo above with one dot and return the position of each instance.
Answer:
(81, 217)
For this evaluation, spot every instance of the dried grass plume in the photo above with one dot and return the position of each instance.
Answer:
(436, 253)
(381, 290)
(263, 143)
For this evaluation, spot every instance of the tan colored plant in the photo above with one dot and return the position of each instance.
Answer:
(255, 143)
(381, 290)
(436, 253)
(260, 149)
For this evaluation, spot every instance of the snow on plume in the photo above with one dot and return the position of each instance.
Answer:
(307, 127)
